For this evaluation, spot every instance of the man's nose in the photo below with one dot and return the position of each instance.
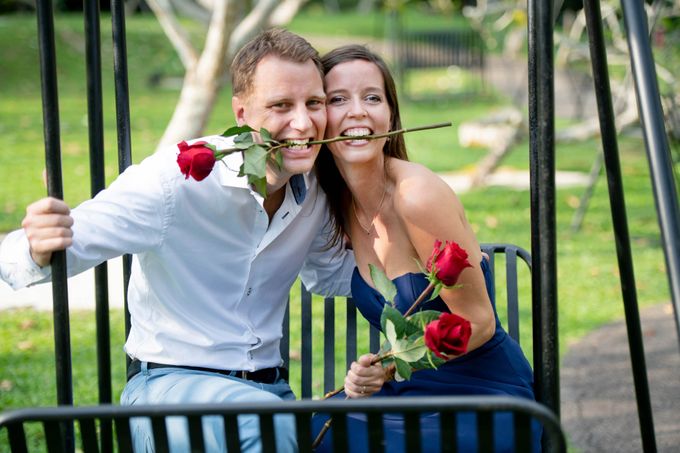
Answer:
(301, 120)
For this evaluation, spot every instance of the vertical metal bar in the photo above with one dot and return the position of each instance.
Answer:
(88, 434)
(54, 438)
(485, 429)
(231, 434)
(375, 432)
(285, 340)
(267, 433)
(196, 433)
(449, 432)
(656, 143)
(373, 339)
(340, 432)
(412, 425)
(160, 434)
(598, 57)
(512, 291)
(98, 183)
(542, 164)
(123, 435)
(306, 347)
(17, 438)
(50, 101)
(522, 431)
(304, 432)
(329, 345)
(122, 122)
(351, 337)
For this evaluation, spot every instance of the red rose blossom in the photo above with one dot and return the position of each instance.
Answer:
(448, 335)
(196, 160)
(448, 263)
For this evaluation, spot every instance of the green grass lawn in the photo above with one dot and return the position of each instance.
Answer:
(589, 293)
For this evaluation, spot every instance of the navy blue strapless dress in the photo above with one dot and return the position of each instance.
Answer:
(498, 367)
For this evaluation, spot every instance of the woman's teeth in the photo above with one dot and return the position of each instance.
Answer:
(357, 132)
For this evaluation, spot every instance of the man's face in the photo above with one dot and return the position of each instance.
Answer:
(288, 100)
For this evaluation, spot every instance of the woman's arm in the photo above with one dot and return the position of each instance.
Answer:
(430, 211)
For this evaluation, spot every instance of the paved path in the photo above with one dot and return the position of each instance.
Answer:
(599, 411)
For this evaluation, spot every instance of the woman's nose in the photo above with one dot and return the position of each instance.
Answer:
(357, 110)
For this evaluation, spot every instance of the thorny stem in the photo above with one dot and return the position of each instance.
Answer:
(420, 298)
(279, 145)
(327, 425)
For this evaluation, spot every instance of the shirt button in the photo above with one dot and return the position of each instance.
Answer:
(250, 290)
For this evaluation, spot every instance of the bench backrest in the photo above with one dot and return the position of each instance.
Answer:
(332, 333)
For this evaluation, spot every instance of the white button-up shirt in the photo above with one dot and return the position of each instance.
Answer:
(210, 274)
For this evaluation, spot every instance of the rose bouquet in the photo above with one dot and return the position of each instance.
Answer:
(198, 159)
(424, 339)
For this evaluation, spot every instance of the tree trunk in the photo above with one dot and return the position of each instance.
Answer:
(205, 77)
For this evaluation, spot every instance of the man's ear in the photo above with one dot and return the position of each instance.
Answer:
(238, 107)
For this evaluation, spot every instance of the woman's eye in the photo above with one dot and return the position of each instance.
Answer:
(335, 99)
(374, 98)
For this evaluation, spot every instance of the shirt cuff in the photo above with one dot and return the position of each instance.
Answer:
(17, 267)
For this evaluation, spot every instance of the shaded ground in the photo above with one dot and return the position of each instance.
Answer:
(599, 411)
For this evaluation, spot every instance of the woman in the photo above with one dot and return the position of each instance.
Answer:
(392, 211)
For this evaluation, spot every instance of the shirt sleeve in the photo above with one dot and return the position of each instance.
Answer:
(328, 271)
(17, 267)
(128, 217)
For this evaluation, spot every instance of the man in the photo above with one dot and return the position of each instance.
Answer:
(214, 261)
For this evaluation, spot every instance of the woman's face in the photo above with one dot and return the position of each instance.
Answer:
(356, 104)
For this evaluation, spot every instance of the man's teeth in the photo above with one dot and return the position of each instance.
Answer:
(297, 144)
(357, 132)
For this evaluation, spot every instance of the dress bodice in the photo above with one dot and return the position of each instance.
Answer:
(409, 286)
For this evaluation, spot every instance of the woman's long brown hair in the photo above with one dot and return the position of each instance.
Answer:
(339, 197)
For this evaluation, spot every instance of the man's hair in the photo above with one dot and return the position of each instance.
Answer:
(277, 42)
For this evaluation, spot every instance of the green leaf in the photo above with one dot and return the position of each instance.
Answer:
(391, 335)
(384, 285)
(278, 157)
(397, 319)
(244, 141)
(237, 130)
(435, 291)
(265, 135)
(403, 370)
(422, 318)
(259, 184)
(385, 348)
(410, 351)
(255, 161)
(428, 361)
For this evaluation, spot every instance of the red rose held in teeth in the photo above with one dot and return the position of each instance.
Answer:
(448, 263)
(195, 160)
(448, 335)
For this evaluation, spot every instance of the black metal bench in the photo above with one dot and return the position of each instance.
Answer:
(100, 428)
(440, 49)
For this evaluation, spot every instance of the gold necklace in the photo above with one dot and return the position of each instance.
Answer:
(375, 216)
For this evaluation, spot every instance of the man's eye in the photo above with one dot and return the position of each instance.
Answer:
(315, 103)
(280, 105)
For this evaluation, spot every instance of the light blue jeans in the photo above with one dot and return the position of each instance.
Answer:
(178, 385)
